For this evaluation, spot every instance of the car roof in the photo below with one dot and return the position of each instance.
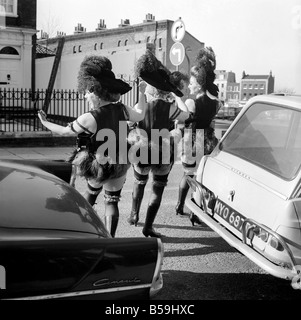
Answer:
(43, 202)
(287, 100)
(6, 163)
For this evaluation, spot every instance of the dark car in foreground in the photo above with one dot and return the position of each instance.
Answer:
(53, 245)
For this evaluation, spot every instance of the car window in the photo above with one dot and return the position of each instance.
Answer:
(268, 136)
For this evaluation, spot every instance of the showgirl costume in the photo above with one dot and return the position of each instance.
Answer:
(89, 159)
(90, 162)
(199, 134)
(157, 115)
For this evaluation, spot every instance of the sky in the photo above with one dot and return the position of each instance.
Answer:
(255, 36)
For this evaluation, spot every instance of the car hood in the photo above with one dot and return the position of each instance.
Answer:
(31, 198)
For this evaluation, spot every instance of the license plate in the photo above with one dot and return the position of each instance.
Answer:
(234, 218)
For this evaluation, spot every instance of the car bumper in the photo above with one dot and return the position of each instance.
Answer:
(244, 248)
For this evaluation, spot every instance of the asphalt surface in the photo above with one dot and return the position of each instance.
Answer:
(198, 263)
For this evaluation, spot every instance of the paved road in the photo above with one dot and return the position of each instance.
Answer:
(198, 264)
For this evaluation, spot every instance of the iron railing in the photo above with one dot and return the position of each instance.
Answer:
(19, 107)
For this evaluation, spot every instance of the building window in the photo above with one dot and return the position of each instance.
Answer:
(79, 48)
(126, 42)
(119, 43)
(160, 43)
(9, 7)
(245, 86)
(101, 46)
(250, 86)
(74, 49)
(9, 50)
(148, 40)
(95, 46)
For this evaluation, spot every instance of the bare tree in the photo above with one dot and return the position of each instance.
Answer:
(51, 25)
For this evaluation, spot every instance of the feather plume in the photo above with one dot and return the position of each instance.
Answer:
(147, 63)
(206, 59)
(90, 68)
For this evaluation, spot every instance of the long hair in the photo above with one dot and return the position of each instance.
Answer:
(204, 68)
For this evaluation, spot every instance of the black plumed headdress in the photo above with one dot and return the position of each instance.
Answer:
(99, 68)
(152, 71)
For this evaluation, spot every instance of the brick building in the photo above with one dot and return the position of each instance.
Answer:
(17, 43)
(122, 45)
(253, 85)
(229, 89)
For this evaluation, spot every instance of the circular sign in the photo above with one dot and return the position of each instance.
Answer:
(178, 30)
(177, 54)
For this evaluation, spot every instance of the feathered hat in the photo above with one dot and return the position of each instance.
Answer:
(99, 68)
(204, 68)
(152, 71)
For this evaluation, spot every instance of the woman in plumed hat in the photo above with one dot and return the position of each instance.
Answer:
(199, 137)
(158, 116)
(93, 159)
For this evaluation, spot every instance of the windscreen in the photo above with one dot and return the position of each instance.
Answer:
(268, 136)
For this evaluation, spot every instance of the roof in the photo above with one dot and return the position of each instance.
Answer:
(293, 101)
(107, 32)
(42, 51)
(255, 77)
(118, 30)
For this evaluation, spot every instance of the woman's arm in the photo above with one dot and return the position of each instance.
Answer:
(137, 113)
(180, 103)
(72, 129)
(190, 105)
(176, 113)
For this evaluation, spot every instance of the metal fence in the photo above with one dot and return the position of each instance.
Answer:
(19, 107)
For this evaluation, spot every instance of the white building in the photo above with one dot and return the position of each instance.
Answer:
(17, 43)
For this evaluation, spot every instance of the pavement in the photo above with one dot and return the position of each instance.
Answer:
(32, 153)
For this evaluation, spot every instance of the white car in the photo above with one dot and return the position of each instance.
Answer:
(249, 189)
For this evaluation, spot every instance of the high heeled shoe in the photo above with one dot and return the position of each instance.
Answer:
(111, 224)
(151, 233)
(133, 219)
(194, 219)
(179, 211)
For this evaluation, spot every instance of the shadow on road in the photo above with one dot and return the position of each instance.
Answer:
(177, 227)
(211, 246)
(218, 286)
